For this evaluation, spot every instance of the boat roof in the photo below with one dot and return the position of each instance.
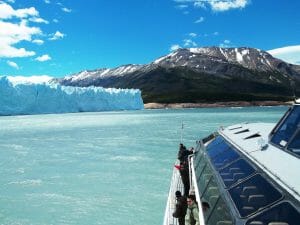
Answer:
(252, 140)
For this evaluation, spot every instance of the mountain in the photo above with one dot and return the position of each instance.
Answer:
(201, 75)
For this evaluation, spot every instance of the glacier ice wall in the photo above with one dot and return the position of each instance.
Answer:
(38, 95)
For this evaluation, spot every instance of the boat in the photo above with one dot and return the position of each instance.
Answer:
(249, 174)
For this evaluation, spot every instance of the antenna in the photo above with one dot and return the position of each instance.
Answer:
(181, 136)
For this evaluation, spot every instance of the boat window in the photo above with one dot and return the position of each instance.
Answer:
(214, 143)
(283, 213)
(225, 158)
(200, 166)
(217, 149)
(294, 146)
(211, 195)
(198, 147)
(208, 138)
(235, 172)
(220, 214)
(197, 156)
(204, 178)
(286, 130)
(253, 194)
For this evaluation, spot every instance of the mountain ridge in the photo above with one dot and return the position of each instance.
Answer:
(200, 75)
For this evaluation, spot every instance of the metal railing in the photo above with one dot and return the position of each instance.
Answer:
(176, 185)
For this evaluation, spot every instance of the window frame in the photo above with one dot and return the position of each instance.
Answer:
(224, 193)
(297, 132)
(259, 210)
(278, 125)
(255, 171)
(266, 210)
(214, 176)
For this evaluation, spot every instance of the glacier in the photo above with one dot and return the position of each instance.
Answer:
(40, 95)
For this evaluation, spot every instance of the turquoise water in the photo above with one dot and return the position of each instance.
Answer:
(100, 168)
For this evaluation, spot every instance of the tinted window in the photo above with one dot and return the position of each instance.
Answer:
(204, 178)
(197, 156)
(200, 166)
(287, 129)
(198, 147)
(208, 138)
(236, 172)
(215, 150)
(220, 214)
(215, 142)
(211, 195)
(284, 213)
(294, 146)
(225, 158)
(253, 195)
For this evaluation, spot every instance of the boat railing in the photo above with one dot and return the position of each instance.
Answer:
(193, 187)
(176, 185)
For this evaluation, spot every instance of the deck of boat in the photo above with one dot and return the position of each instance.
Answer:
(176, 185)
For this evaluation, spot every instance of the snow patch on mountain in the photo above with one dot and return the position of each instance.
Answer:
(199, 50)
(171, 55)
(245, 52)
(105, 72)
(239, 56)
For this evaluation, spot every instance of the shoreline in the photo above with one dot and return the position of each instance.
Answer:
(154, 105)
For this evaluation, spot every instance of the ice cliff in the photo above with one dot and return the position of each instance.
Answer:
(39, 95)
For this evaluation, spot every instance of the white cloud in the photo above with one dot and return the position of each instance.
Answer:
(193, 35)
(290, 54)
(189, 43)
(11, 52)
(38, 41)
(217, 5)
(57, 35)
(38, 20)
(11, 34)
(199, 5)
(12, 64)
(216, 33)
(226, 44)
(184, 1)
(47, 1)
(14, 30)
(200, 20)
(227, 5)
(55, 20)
(66, 10)
(7, 12)
(182, 6)
(174, 47)
(43, 58)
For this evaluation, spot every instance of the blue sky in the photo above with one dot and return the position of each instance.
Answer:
(60, 37)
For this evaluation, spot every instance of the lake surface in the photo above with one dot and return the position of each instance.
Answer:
(100, 168)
